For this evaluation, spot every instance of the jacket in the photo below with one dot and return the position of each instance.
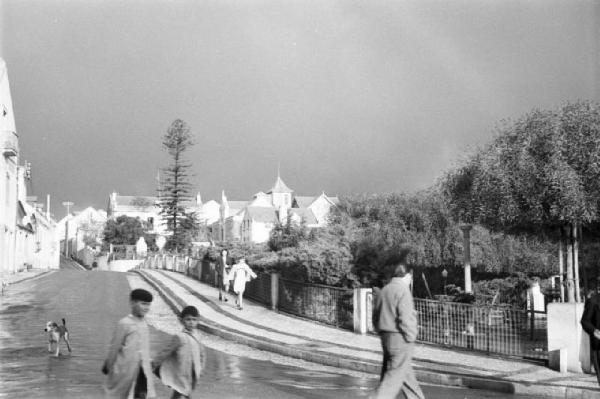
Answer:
(129, 350)
(393, 310)
(240, 273)
(222, 267)
(590, 320)
(184, 362)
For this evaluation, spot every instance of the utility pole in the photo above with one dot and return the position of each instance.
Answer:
(68, 204)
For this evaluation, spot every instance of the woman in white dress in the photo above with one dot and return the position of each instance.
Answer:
(240, 273)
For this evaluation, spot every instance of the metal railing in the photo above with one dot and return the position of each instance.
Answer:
(330, 305)
(490, 329)
(259, 289)
(485, 328)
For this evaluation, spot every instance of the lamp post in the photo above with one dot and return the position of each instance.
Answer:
(444, 276)
(67, 204)
(466, 229)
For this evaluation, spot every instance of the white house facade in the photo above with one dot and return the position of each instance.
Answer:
(27, 236)
(253, 220)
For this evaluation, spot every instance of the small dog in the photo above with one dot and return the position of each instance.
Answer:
(55, 333)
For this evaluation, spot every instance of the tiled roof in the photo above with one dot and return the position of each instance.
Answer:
(263, 200)
(261, 214)
(306, 214)
(303, 202)
(136, 201)
(237, 204)
(335, 200)
(280, 187)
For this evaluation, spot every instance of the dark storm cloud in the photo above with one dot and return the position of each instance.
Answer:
(348, 96)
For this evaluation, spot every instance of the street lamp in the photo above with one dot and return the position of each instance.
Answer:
(67, 204)
(444, 276)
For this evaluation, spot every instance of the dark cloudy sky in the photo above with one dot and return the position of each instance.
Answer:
(350, 96)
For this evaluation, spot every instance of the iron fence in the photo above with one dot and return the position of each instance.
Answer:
(209, 274)
(330, 305)
(491, 329)
(259, 289)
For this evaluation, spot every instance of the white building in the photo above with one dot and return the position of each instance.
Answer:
(27, 233)
(253, 220)
(78, 227)
(145, 208)
(9, 144)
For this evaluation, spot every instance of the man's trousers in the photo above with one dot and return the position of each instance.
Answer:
(397, 374)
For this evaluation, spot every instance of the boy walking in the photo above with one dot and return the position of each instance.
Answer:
(184, 359)
(127, 365)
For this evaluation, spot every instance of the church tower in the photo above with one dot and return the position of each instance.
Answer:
(281, 195)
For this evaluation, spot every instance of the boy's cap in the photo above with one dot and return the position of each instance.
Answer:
(189, 311)
(140, 295)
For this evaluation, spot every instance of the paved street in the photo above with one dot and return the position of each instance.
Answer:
(92, 302)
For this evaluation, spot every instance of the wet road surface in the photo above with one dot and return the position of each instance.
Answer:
(92, 303)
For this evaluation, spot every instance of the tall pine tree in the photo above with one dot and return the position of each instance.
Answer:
(174, 190)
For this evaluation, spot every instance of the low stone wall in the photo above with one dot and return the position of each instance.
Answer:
(124, 265)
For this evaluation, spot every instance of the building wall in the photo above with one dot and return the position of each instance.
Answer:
(232, 229)
(8, 213)
(260, 232)
(321, 208)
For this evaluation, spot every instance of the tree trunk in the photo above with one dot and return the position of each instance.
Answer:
(570, 280)
(575, 231)
(561, 263)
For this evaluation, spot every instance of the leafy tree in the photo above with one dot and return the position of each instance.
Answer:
(124, 230)
(541, 173)
(92, 232)
(287, 235)
(175, 188)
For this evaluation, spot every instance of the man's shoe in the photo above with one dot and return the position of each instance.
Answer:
(226, 300)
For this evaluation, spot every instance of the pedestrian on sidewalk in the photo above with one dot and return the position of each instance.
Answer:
(240, 273)
(180, 365)
(590, 321)
(127, 365)
(395, 320)
(223, 267)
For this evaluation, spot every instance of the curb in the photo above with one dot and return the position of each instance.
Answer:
(32, 277)
(437, 378)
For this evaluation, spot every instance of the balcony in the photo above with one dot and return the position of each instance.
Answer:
(9, 142)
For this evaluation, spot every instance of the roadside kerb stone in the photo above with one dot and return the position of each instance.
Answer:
(18, 278)
(439, 377)
(368, 347)
(264, 343)
(375, 353)
(363, 345)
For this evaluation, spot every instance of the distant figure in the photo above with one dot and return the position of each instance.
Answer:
(240, 273)
(128, 362)
(180, 365)
(223, 266)
(395, 320)
(590, 321)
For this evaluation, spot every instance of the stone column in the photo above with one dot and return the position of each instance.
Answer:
(362, 313)
(274, 290)
(566, 336)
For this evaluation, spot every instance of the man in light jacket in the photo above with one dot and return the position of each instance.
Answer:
(395, 320)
